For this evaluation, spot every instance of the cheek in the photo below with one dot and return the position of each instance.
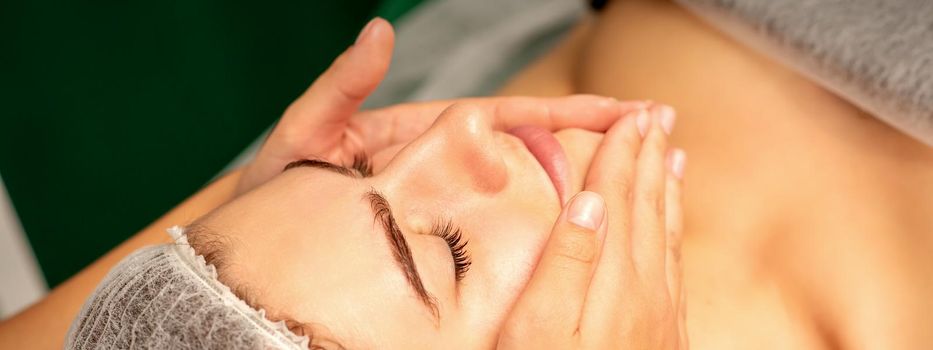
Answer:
(511, 248)
(504, 257)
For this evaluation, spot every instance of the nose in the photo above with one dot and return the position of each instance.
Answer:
(458, 153)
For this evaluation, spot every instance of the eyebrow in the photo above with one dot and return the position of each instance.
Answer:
(320, 164)
(382, 213)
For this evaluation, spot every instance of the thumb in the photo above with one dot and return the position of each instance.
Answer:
(552, 302)
(338, 93)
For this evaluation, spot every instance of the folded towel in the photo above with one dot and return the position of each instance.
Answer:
(877, 54)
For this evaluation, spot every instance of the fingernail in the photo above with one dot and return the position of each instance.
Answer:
(642, 122)
(587, 210)
(667, 117)
(677, 162)
(366, 30)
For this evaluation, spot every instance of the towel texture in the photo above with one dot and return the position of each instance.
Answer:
(878, 54)
(457, 48)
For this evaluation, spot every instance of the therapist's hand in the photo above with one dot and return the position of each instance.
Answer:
(609, 276)
(324, 123)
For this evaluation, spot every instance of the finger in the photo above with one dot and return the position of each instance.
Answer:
(338, 93)
(648, 208)
(401, 123)
(594, 113)
(553, 299)
(682, 325)
(612, 174)
(676, 160)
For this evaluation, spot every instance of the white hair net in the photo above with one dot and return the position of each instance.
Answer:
(167, 297)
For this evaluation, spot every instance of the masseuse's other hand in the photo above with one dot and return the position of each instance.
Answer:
(324, 123)
(609, 277)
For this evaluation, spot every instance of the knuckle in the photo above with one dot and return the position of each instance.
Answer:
(654, 199)
(612, 186)
(575, 247)
(673, 239)
(674, 249)
(623, 186)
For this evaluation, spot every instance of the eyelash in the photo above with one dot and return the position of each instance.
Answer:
(452, 236)
(362, 164)
(457, 244)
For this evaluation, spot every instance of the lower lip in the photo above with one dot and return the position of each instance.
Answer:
(549, 153)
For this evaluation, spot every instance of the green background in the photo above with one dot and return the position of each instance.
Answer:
(115, 111)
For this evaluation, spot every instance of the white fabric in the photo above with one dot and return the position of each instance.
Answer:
(167, 297)
(22, 283)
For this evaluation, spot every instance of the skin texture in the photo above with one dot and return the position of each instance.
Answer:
(307, 247)
(807, 221)
(309, 227)
(484, 182)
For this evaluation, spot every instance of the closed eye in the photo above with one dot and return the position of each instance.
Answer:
(458, 247)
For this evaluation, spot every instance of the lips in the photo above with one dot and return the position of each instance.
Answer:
(550, 154)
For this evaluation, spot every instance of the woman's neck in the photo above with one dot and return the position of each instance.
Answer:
(783, 178)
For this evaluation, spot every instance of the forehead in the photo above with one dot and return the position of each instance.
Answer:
(307, 246)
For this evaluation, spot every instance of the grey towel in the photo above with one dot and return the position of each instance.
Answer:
(877, 54)
(458, 48)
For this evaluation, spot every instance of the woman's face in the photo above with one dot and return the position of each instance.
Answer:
(315, 245)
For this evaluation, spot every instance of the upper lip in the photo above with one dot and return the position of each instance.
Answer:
(550, 155)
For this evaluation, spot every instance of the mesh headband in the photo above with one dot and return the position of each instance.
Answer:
(167, 297)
